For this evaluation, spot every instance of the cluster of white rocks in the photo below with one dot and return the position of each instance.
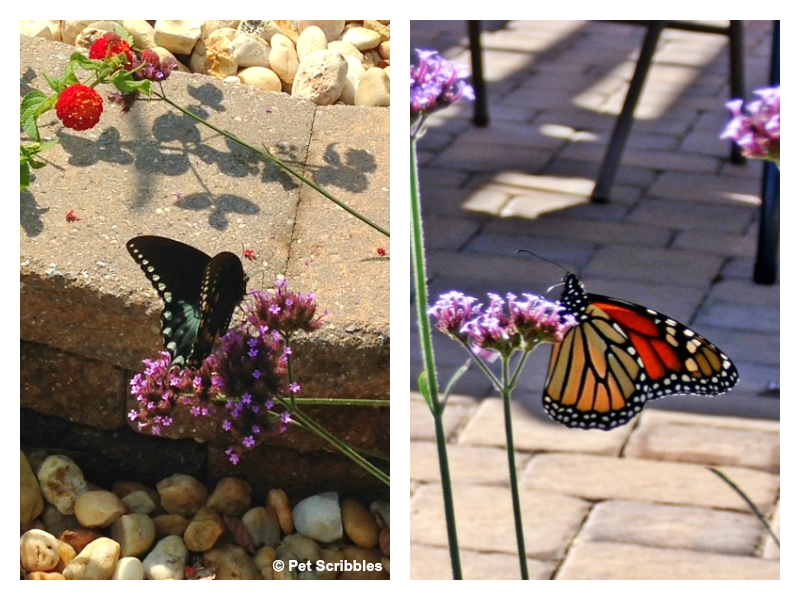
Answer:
(326, 62)
(74, 530)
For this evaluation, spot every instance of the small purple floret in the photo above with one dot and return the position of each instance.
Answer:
(758, 131)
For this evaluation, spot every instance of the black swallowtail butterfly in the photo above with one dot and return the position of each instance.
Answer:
(200, 293)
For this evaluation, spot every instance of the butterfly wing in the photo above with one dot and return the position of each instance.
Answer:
(199, 293)
(224, 286)
(621, 355)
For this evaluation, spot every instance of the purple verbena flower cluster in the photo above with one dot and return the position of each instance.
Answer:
(453, 311)
(757, 132)
(247, 370)
(284, 311)
(435, 84)
(505, 326)
(150, 66)
(157, 390)
(248, 363)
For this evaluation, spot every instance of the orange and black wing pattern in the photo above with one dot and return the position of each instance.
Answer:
(621, 355)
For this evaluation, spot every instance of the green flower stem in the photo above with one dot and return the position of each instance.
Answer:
(344, 448)
(518, 370)
(370, 402)
(271, 157)
(512, 472)
(505, 387)
(749, 502)
(290, 375)
(421, 297)
(307, 422)
(496, 384)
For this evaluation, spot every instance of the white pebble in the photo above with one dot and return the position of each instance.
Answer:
(319, 517)
(61, 481)
(167, 560)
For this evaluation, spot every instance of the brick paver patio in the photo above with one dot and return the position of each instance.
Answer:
(678, 235)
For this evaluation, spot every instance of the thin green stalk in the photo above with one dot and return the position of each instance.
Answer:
(320, 401)
(271, 157)
(290, 375)
(370, 402)
(307, 422)
(344, 448)
(496, 384)
(421, 296)
(750, 503)
(518, 370)
(512, 471)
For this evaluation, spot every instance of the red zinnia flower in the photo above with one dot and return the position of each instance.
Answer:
(109, 45)
(79, 107)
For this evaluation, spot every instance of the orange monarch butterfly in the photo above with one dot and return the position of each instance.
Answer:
(621, 355)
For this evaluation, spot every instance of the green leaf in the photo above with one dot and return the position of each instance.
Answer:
(87, 63)
(424, 390)
(34, 105)
(125, 83)
(27, 160)
(67, 79)
(35, 163)
(24, 176)
(453, 380)
(31, 100)
(55, 84)
(28, 112)
(47, 145)
(123, 33)
(28, 152)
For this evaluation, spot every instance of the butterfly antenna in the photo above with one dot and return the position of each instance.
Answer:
(253, 276)
(552, 262)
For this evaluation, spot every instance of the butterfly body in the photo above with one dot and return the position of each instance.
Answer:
(621, 355)
(199, 293)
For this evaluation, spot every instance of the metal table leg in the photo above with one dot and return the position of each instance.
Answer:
(481, 118)
(622, 128)
(766, 267)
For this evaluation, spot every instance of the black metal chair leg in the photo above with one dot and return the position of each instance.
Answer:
(766, 268)
(736, 63)
(481, 117)
(622, 128)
